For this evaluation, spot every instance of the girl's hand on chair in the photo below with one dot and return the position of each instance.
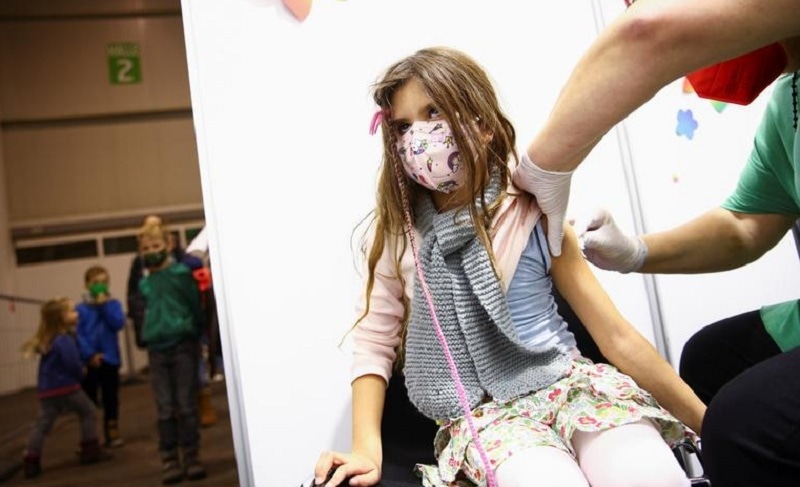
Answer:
(360, 469)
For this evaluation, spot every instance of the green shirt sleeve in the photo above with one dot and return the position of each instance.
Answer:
(767, 183)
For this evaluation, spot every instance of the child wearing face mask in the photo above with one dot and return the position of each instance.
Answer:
(137, 270)
(100, 319)
(173, 322)
(459, 294)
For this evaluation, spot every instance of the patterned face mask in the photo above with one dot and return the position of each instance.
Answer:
(430, 156)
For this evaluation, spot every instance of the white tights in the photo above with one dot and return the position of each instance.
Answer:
(633, 455)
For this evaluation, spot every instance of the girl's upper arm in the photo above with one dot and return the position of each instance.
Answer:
(580, 288)
(377, 336)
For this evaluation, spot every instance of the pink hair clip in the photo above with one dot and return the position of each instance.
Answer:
(376, 121)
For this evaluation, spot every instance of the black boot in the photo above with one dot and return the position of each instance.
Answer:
(192, 466)
(31, 465)
(171, 472)
(92, 452)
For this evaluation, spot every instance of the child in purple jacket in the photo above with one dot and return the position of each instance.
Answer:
(59, 384)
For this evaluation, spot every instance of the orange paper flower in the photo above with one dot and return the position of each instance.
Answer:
(299, 8)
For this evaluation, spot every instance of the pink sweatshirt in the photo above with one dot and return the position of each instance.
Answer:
(377, 336)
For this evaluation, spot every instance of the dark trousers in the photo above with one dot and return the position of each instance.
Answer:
(751, 431)
(51, 408)
(138, 326)
(721, 351)
(105, 380)
(174, 378)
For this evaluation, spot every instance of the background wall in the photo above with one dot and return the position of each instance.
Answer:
(80, 143)
(83, 154)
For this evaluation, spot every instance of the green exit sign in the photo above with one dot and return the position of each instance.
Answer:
(124, 67)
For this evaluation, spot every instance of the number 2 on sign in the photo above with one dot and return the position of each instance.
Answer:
(124, 67)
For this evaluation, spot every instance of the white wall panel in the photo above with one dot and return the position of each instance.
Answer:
(74, 170)
(286, 103)
(59, 68)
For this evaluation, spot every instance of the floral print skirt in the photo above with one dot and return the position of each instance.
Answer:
(594, 397)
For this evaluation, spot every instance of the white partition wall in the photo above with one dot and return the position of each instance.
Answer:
(281, 110)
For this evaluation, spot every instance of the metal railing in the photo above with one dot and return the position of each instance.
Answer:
(20, 299)
(132, 372)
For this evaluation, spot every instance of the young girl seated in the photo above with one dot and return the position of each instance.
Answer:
(458, 292)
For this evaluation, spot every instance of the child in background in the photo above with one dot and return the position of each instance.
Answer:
(100, 319)
(173, 322)
(528, 408)
(138, 270)
(135, 300)
(59, 384)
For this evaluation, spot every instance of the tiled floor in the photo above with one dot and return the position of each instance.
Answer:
(134, 464)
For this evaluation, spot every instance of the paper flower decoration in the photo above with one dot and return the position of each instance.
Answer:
(687, 87)
(719, 106)
(299, 8)
(686, 124)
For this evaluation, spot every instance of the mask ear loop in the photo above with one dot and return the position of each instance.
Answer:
(461, 392)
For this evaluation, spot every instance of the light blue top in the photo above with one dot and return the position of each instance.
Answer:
(530, 298)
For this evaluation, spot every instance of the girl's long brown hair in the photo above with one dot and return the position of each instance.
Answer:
(51, 324)
(462, 92)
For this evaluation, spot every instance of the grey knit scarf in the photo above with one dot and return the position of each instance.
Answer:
(473, 312)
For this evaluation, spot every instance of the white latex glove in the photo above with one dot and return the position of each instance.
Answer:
(605, 246)
(551, 190)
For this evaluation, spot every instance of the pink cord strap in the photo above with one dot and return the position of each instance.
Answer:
(461, 392)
